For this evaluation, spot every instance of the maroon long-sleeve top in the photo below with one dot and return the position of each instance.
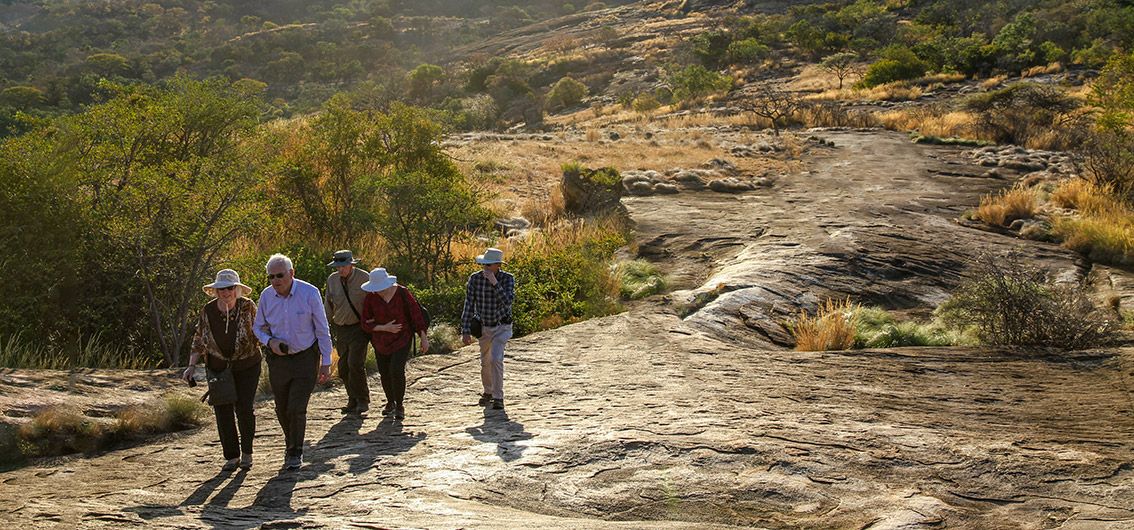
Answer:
(376, 311)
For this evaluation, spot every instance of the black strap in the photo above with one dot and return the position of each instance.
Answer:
(348, 300)
(404, 293)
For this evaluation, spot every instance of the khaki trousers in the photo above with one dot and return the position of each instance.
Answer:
(492, 342)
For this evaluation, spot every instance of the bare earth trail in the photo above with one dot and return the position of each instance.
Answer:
(646, 420)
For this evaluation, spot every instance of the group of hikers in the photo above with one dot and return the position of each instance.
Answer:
(294, 327)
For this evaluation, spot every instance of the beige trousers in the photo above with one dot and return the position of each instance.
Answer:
(492, 341)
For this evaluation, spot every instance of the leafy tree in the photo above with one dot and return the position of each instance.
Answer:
(422, 78)
(164, 180)
(696, 82)
(746, 51)
(841, 65)
(1110, 149)
(1024, 111)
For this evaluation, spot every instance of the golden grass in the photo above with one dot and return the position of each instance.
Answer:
(1007, 206)
(1102, 230)
(993, 82)
(173, 412)
(1053, 68)
(1106, 237)
(1080, 194)
(954, 124)
(897, 91)
(831, 328)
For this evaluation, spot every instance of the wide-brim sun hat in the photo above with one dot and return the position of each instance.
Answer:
(226, 278)
(342, 258)
(490, 256)
(379, 280)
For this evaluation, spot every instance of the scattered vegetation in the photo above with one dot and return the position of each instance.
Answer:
(1012, 304)
(58, 430)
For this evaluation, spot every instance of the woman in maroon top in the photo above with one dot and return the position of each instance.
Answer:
(390, 314)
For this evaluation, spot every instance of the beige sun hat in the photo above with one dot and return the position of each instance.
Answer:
(490, 256)
(227, 278)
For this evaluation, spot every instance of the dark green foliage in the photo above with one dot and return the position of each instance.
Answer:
(696, 82)
(1110, 149)
(897, 64)
(565, 93)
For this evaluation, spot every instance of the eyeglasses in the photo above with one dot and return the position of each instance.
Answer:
(229, 288)
(274, 276)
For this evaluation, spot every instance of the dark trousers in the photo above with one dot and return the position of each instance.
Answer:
(240, 415)
(352, 344)
(293, 379)
(392, 369)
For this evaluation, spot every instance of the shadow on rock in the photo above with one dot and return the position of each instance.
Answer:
(502, 431)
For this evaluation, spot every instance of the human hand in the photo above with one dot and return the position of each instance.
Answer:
(188, 374)
(324, 374)
(275, 344)
(392, 327)
(466, 339)
(424, 343)
(490, 275)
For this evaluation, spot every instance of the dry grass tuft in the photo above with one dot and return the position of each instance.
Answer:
(897, 91)
(170, 413)
(1081, 194)
(832, 328)
(1053, 68)
(545, 212)
(993, 82)
(929, 123)
(1007, 206)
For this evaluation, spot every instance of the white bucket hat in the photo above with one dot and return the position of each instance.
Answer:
(227, 278)
(379, 280)
(490, 256)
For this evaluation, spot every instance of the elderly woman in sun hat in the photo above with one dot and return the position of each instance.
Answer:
(391, 315)
(224, 338)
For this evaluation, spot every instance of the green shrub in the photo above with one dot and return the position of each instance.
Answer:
(1012, 304)
(645, 103)
(565, 93)
(696, 82)
(897, 63)
(11, 450)
(746, 51)
(444, 338)
(563, 275)
(639, 279)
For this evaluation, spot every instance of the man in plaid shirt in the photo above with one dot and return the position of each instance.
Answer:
(488, 299)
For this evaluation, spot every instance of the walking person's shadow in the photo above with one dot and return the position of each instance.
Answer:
(499, 429)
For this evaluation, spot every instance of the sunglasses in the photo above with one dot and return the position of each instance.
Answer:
(279, 275)
(229, 288)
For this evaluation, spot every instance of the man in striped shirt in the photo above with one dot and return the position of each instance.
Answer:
(488, 299)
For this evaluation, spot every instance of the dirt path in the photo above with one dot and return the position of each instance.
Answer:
(646, 420)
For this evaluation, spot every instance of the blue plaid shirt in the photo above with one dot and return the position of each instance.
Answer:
(490, 303)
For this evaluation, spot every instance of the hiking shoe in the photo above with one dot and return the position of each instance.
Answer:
(246, 461)
(350, 407)
(292, 463)
(498, 404)
(230, 464)
(485, 400)
(389, 408)
(399, 412)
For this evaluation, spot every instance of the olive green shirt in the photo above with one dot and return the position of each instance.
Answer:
(335, 297)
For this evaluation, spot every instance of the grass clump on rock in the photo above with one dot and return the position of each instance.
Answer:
(639, 279)
(1007, 206)
(832, 327)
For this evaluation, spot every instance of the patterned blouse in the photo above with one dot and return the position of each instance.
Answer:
(247, 350)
